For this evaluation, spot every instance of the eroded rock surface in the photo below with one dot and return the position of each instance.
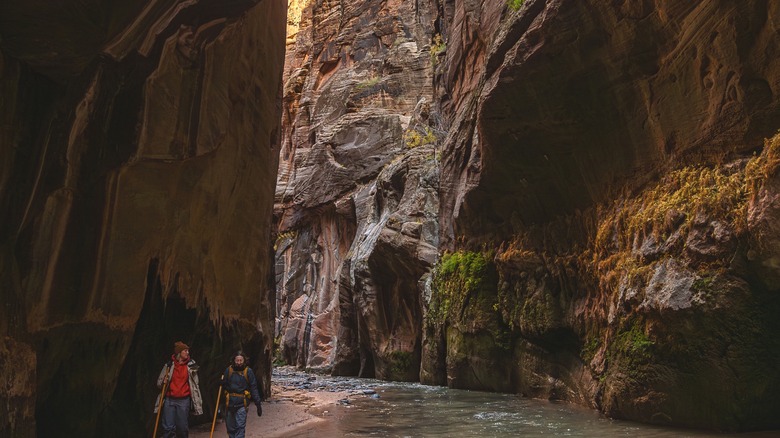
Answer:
(599, 157)
(139, 146)
(594, 175)
(357, 194)
(606, 203)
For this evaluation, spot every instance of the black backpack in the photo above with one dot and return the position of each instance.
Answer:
(246, 394)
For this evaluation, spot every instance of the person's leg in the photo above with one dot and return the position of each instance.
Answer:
(230, 422)
(182, 418)
(240, 422)
(167, 424)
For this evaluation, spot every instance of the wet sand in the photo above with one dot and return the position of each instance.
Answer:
(286, 412)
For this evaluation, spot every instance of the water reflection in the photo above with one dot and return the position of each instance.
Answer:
(413, 410)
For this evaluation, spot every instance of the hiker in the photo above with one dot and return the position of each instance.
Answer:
(182, 393)
(240, 385)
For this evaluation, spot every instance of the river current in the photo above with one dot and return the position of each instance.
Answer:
(393, 409)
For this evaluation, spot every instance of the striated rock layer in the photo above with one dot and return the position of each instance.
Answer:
(139, 146)
(357, 194)
(608, 204)
(607, 209)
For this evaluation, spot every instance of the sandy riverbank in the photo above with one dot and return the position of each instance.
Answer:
(287, 412)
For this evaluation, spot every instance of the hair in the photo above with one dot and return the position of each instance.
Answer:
(239, 353)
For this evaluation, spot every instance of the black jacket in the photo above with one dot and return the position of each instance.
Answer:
(235, 384)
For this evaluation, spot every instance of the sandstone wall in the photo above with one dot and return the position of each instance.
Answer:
(606, 205)
(607, 162)
(139, 151)
(356, 198)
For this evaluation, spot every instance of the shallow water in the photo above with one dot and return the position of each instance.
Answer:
(414, 410)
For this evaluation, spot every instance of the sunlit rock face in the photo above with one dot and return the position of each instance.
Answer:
(601, 156)
(139, 155)
(357, 193)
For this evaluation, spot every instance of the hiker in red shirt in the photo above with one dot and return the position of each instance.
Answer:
(182, 393)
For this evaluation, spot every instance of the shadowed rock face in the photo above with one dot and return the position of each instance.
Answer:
(607, 233)
(610, 238)
(139, 145)
(357, 190)
(598, 157)
(577, 98)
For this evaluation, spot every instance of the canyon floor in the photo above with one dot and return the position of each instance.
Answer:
(289, 410)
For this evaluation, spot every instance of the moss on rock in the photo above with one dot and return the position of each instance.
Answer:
(464, 311)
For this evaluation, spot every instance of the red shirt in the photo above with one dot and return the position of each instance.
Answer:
(180, 381)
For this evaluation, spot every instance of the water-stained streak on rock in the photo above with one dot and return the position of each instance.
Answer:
(141, 147)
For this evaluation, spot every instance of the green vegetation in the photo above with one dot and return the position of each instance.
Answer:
(703, 283)
(663, 214)
(458, 277)
(291, 234)
(515, 4)
(414, 138)
(466, 339)
(634, 342)
(631, 351)
(437, 47)
(278, 360)
(368, 83)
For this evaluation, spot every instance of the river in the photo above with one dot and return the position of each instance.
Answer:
(392, 409)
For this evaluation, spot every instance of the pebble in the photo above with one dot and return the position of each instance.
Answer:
(290, 378)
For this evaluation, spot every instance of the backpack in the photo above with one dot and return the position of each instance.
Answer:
(246, 394)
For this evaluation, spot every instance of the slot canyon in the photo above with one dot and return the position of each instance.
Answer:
(565, 200)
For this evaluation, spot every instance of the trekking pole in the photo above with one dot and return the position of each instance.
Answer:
(162, 401)
(216, 408)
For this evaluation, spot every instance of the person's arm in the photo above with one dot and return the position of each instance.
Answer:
(163, 376)
(253, 390)
(223, 381)
(194, 381)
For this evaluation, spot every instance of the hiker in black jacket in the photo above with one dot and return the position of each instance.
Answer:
(240, 386)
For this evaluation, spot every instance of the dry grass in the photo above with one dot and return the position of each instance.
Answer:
(715, 192)
(673, 205)
(680, 196)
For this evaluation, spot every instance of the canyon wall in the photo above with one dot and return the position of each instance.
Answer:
(574, 200)
(357, 193)
(140, 144)
(602, 182)
(607, 208)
